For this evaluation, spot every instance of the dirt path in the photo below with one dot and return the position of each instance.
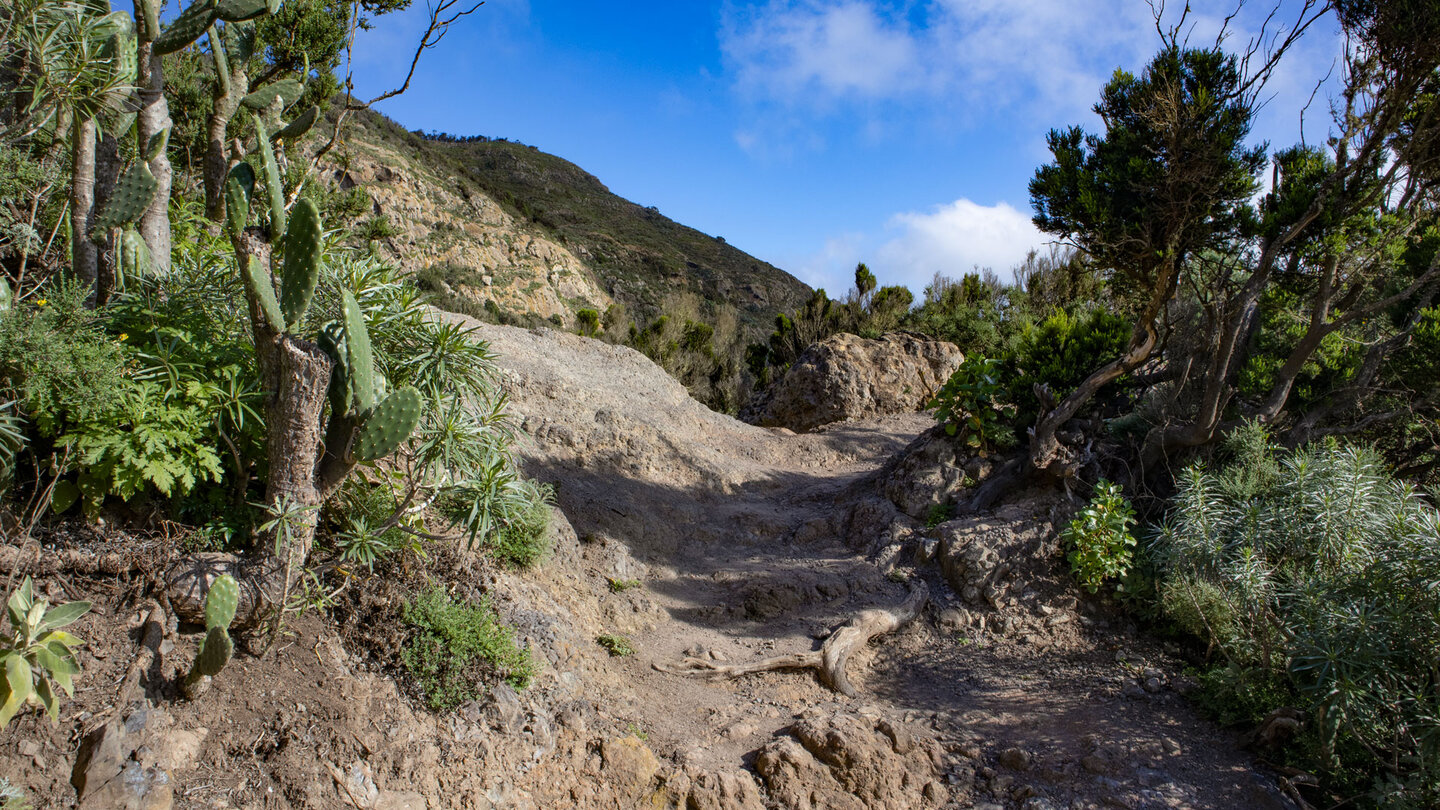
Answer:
(735, 533)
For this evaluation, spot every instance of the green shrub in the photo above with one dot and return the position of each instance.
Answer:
(454, 648)
(1317, 571)
(1061, 351)
(970, 405)
(618, 646)
(1102, 546)
(622, 585)
(587, 322)
(57, 361)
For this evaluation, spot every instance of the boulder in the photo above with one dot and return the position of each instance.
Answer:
(850, 761)
(848, 377)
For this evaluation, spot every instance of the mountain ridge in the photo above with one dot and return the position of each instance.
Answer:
(486, 191)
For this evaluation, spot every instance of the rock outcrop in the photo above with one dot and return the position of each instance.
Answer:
(850, 761)
(849, 377)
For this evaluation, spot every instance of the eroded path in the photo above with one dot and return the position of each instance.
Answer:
(742, 544)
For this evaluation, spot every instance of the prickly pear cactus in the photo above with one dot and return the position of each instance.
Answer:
(300, 126)
(241, 10)
(136, 262)
(390, 424)
(221, 601)
(216, 648)
(214, 653)
(273, 185)
(257, 281)
(332, 342)
(287, 90)
(361, 356)
(187, 27)
(131, 197)
(239, 186)
(303, 245)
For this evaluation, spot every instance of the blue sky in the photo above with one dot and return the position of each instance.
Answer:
(811, 133)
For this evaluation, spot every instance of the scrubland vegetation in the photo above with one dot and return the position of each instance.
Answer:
(1233, 348)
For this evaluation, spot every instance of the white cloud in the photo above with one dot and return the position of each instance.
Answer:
(791, 50)
(1040, 54)
(952, 240)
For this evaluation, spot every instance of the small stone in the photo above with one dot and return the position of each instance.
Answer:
(1132, 690)
(1153, 685)
(1016, 759)
(1095, 764)
(1022, 792)
(716, 655)
(29, 748)
(969, 750)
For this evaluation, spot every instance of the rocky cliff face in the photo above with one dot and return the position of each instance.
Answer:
(849, 377)
(489, 254)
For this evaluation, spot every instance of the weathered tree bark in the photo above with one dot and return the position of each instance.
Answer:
(107, 173)
(830, 660)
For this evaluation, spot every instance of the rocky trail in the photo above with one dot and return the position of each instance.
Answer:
(692, 536)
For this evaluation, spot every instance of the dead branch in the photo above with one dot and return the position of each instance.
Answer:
(833, 655)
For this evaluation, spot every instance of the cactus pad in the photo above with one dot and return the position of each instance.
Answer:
(239, 39)
(390, 424)
(221, 601)
(136, 262)
(272, 182)
(332, 342)
(156, 147)
(241, 10)
(287, 90)
(303, 245)
(215, 652)
(258, 283)
(128, 201)
(361, 357)
(239, 185)
(187, 27)
(299, 126)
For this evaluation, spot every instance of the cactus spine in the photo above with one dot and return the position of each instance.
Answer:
(215, 650)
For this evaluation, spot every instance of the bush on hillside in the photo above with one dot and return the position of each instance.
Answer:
(1314, 577)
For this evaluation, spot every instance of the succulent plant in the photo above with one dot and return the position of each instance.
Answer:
(303, 246)
(386, 427)
(272, 181)
(241, 10)
(128, 201)
(300, 125)
(239, 187)
(221, 600)
(287, 90)
(188, 26)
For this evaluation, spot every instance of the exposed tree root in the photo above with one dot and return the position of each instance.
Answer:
(831, 658)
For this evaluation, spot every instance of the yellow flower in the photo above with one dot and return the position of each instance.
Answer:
(42, 302)
(123, 336)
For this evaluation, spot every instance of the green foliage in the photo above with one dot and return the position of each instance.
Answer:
(1060, 352)
(1102, 546)
(1171, 176)
(587, 322)
(37, 655)
(618, 646)
(154, 437)
(57, 361)
(455, 647)
(12, 797)
(971, 405)
(939, 513)
(1314, 570)
(622, 585)
(374, 228)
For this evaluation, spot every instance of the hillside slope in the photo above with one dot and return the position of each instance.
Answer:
(499, 217)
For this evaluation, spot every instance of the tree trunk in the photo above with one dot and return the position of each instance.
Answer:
(83, 253)
(226, 100)
(107, 173)
(152, 119)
